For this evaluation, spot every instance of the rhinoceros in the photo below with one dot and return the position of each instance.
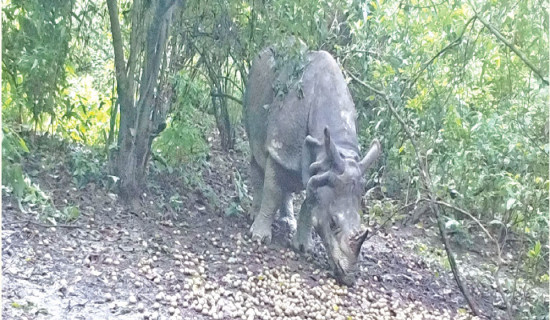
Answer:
(306, 139)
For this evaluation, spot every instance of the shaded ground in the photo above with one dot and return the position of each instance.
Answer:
(187, 259)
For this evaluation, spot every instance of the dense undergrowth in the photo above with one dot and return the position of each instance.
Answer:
(464, 79)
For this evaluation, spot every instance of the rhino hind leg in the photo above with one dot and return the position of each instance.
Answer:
(301, 241)
(256, 175)
(287, 212)
(272, 195)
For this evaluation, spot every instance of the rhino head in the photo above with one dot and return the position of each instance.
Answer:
(334, 197)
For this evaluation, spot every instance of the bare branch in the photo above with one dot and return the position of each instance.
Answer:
(454, 43)
(117, 42)
(512, 47)
(230, 97)
(408, 131)
(466, 213)
(157, 36)
(499, 252)
(426, 180)
(136, 41)
(42, 225)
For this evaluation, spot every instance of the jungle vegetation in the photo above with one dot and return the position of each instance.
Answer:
(456, 91)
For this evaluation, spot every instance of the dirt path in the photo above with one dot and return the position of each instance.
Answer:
(156, 264)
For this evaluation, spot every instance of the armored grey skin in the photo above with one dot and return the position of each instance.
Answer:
(307, 141)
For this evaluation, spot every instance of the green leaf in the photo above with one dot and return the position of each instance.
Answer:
(69, 67)
(537, 247)
(23, 145)
(475, 127)
(71, 213)
(13, 176)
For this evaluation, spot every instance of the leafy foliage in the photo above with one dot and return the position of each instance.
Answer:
(242, 199)
(477, 109)
(29, 196)
(465, 105)
(50, 81)
(185, 135)
(35, 46)
(13, 148)
(87, 165)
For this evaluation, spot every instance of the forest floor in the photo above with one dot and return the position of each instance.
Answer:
(190, 259)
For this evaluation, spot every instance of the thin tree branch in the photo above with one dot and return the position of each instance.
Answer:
(136, 41)
(117, 42)
(125, 96)
(426, 180)
(157, 35)
(454, 43)
(136, 30)
(466, 213)
(510, 45)
(42, 224)
(498, 249)
(499, 253)
(434, 5)
(232, 81)
(408, 131)
(230, 97)
(381, 226)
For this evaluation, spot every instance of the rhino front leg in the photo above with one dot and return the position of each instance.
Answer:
(272, 196)
(256, 175)
(287, 212)
(301, 241)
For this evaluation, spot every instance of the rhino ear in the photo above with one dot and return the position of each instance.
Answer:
(310, 149)
(328, 143)
(312, 146)
(374, 152)
(312, 142)
(332, 153)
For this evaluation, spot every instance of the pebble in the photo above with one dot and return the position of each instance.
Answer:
(108, 296)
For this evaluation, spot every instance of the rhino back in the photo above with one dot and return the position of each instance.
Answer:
(326, 102)
(332, 105)
(275, 126)
(258, 95)
(279, 126)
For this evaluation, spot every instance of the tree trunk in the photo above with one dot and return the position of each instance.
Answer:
(223, 123)
(141, 120)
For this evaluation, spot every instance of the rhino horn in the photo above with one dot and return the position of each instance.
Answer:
(332, 153)
(374, 152)
(356, 240)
